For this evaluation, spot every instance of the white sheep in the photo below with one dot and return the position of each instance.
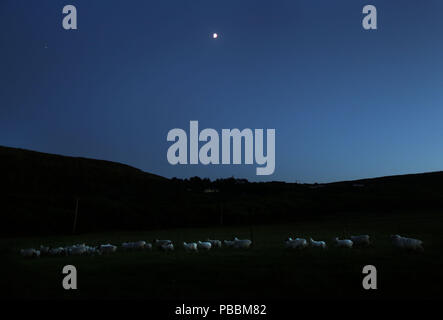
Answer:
(297, 243)
(28, 253)
(159, 243)
(204, 245)
(360, 240)
(148, 246)
(215, 243)
(107, 248)
(346, 243)
(44, 250)
(241, 244)
(167, 246)
(126, 245)
(407, 243)
(91, 250)
(319, 244)
(134, 245)
(139, 244)
(190, 246)
(229, 243)
(56, 251)
(77, 250)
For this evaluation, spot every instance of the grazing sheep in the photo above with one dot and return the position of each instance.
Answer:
(229, 243)
(91, 250)
(297, 243)
(44, 250)
(215, 243)
(77, 250)
(139, 244)
(343, 243)
(134, 245)
(204, 245)
(159, 243)
(126, 245)
(319, 244)
(56, 251)
(29, 253)
(360, 240)
(168, 246)
(107, 248)
(407, 243)
(241, 244)
(190, 246)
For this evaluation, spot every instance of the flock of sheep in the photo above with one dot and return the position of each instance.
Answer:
(168, 245)
(165, 245)
(74, 250)
(397, 240)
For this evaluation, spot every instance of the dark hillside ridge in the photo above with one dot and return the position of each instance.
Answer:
(39, 193)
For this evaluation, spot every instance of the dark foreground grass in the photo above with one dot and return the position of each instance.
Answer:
(266, 271)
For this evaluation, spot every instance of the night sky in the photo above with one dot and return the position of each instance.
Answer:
(346, 103)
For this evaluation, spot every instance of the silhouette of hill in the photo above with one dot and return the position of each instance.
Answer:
(39, 194)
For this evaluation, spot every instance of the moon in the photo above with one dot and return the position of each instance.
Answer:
(214, 35)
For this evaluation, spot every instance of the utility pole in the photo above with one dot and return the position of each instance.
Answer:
(75, 216)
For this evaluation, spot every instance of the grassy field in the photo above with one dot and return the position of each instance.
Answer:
(266, 271)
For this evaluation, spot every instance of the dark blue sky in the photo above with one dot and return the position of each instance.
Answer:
(346, 103)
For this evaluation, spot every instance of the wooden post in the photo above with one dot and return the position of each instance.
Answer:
(75, 217)
(221, 213)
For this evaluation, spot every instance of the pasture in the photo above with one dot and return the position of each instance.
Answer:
(266, 271)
